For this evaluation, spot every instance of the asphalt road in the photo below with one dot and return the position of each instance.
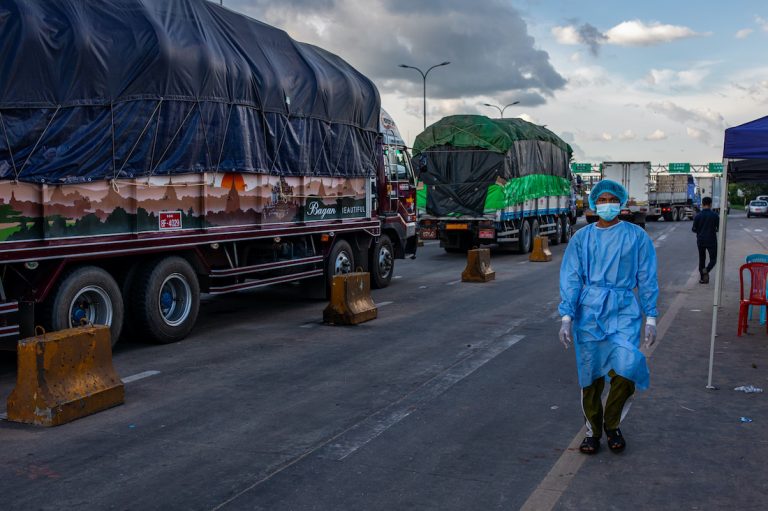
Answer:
(457, 397)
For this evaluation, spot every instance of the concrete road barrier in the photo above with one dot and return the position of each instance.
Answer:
(478, 266)
(351, 301)
(63, 376)
(541, 252)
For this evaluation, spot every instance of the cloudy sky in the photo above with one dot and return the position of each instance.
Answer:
(653, 80)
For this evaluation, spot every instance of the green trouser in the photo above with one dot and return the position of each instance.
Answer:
(616, 406)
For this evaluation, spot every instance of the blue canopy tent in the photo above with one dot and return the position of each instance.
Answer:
(745, 160)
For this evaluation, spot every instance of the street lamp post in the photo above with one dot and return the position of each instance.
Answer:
(501, 110)
(424, 79)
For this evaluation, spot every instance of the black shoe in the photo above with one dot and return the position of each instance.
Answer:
(590, 445)
(705, 278)
(616, 442)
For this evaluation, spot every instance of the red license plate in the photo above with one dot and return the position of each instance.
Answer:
(170, 220)
(486, 234)
(428, 234)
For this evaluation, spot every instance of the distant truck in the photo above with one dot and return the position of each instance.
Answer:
(708, 185)
(141, 175)
(671, 196)
(634, 176)
(493, 181)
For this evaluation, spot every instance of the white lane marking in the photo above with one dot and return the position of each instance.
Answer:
(309, 325)
(453, 282)
(662, 237)
(374, 425)
(747, 229)
(422, 287)
(383, 304)
(695, 310)
(398, 276)
(139, 376)
(523, 262)
(556, 482)
(686, 408)
(758, 230)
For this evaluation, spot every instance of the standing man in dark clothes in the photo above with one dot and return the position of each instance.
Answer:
(705, 225)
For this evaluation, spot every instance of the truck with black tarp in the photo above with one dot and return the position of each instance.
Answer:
(492, 181)
(153, 150)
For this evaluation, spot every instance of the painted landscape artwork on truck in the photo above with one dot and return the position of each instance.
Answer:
(31, 211)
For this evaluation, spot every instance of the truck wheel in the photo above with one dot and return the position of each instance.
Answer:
(558, 237)
(534, 232)
(524, 242)
(166, 299)
(675, 214)
(382, 262)
(566, 237)
(341, 260)
(87, 294)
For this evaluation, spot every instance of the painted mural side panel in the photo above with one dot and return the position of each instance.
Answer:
(198, 202)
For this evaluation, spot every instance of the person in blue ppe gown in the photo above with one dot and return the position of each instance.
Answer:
(607, 284)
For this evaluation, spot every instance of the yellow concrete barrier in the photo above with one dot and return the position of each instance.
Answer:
(64, 375)
(351, 301)
(478, 266)
(541, 252)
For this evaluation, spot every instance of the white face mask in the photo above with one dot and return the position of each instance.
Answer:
(608, 211)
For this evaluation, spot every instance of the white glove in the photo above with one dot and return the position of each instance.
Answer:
(650, 334)
(565, 332)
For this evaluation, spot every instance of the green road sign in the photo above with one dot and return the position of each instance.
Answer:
(716, 167)
(680, 168)
(581, 168)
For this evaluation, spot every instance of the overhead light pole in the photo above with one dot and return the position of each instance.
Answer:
(501, 110)
(424, 80)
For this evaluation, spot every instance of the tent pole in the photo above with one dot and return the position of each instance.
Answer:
(720, 269)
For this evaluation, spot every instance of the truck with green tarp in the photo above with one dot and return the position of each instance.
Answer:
(489, 181)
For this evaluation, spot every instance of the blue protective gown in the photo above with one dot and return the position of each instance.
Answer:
(600, 271)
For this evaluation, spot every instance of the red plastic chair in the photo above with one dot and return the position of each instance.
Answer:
(757, 286)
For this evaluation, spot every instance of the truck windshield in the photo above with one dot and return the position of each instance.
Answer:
(399, 164)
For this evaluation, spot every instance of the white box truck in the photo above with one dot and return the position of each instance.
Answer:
(634, 176)
(708, 185)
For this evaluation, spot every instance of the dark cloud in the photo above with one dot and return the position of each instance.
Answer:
(486, 42)
(591, 37)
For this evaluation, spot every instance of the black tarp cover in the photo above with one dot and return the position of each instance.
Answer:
(126, 88)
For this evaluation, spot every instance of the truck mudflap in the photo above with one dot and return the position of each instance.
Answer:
(9, 324)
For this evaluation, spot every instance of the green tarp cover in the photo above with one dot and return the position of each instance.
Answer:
(479, 131)
(514, 192)
(521, 189)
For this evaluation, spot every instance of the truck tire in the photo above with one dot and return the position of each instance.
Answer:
(87, 293)
(524, 241)
(675, 214)
(567, 230)
(341, 260)
(534, 232)
(166, 299)
(382, 262)
(558, 236)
